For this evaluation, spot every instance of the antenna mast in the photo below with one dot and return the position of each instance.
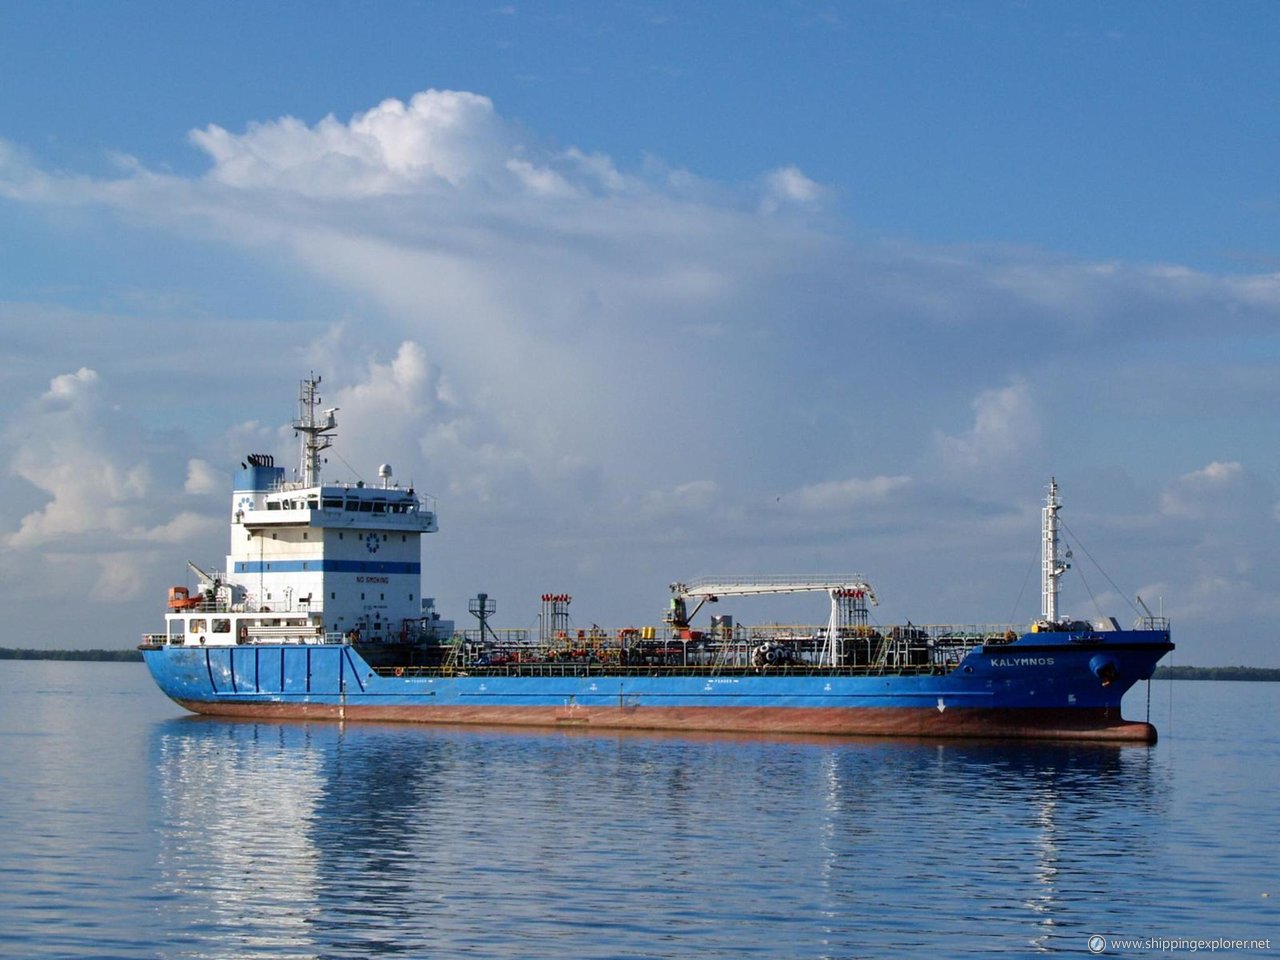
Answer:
(317, 433)
(1052, 564)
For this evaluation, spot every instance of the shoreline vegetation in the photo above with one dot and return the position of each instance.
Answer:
(135, 656)
(107, 656)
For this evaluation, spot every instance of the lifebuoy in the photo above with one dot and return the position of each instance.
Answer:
(399, 671)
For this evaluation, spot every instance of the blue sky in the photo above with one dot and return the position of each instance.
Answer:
(650, 291)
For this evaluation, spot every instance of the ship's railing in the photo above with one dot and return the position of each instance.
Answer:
(800, 646)
(516, 637)
(294, 605)
(284, 633)
(589, 669)
(203, 606)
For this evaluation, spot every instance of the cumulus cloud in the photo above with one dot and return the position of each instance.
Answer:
(401, 407)
(203, 478)
(76, 449)
(438, 136)
(59, 449)
(1005, 425)
(186, 527)
(788, 186)
(1219, 491)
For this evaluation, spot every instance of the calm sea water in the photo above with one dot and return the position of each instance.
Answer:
(129, 829)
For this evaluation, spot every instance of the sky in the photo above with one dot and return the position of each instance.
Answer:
(642, 292)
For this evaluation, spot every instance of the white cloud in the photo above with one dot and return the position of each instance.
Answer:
(788, 186)
(58, 447)
(72, 386)
(1005, 425)
(440, 135)
(118, 578)
(186, 527)
(540, 180)
(1219, 490)
(88, 461)
(838, 495)
(203, 478)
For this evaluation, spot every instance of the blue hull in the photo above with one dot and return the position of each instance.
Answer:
(1054, 685)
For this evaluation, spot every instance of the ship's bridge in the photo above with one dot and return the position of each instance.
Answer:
(338, 505)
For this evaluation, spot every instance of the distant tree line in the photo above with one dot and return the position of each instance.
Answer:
(115, 656)
(1217, 673)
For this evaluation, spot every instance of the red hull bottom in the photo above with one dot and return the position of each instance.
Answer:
(1095, 724)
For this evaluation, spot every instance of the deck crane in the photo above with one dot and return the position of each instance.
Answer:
(849, 596)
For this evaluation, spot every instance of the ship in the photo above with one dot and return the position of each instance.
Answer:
(319, 614)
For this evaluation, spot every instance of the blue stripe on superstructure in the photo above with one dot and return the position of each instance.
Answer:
(327, 566)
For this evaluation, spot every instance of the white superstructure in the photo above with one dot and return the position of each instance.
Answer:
(312, 562)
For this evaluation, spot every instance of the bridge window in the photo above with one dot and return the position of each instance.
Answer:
(221, 626)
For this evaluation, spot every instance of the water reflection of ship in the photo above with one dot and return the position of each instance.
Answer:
(235, 866)
(318, 837)
(1021, 848)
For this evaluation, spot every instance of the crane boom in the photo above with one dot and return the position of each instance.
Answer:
(208, 578)
(849, 595)
(708, 587)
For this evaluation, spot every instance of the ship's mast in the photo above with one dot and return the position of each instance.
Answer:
(1051, 562)
(317, 433)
